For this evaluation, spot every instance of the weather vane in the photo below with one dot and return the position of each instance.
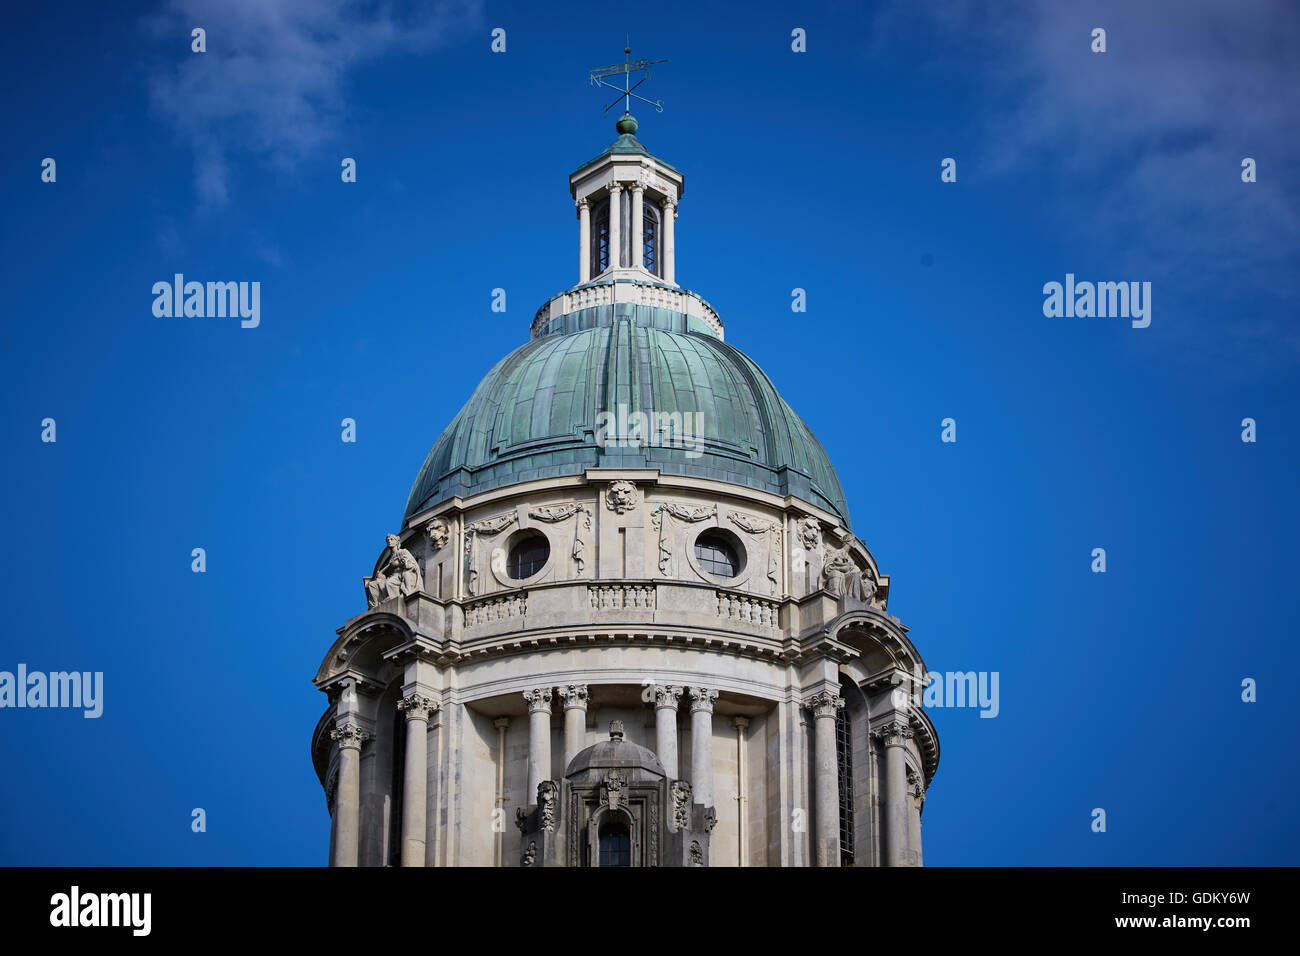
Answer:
(627, 68)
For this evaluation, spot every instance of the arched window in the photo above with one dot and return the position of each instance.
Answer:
(600, 238)
(615, 844)
(650, 238)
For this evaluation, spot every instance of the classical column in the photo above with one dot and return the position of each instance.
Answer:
(615, 226)
(702, 699)
(575, 720)
(669, 251)
(636, 227)
(894, 736)
(666, 698)
(740, 723)
(501, 723)
(539, 739)
(584, 241)
(414, 794)
(826, 783)
(347, 802)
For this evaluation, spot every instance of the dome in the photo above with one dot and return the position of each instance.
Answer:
(538, 412)
(615, 753)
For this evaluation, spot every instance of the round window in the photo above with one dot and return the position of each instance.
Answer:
(528, 554)
(717, 555)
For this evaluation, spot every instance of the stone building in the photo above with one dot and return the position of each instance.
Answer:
(624, 620)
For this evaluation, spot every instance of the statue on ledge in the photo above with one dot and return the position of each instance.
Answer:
(400, 576)
(844, 579)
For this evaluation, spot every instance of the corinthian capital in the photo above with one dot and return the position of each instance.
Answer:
(824, 703)
(349, 736)
(416, 707)
(702, 698)
(539, 700)
(667, 695)
(575, 695)
(893, 733)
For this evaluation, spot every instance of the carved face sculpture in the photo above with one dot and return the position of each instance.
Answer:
(439, 532)
(621, 496)
(810, 534)
(393, 541)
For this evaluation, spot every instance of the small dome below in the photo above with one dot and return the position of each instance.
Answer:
(617, 752)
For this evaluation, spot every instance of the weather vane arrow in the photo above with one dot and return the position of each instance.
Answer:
(627, 68)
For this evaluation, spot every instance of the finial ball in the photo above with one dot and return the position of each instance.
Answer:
(626, 123)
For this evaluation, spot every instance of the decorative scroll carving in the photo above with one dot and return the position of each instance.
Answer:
(539, 700)
(612, 788)
(824, 704)
(547, 794)
(843, 578)
(400, 575)
(659, 518)
(575, 695)
(702, 698)
(349, 736)
(681, 793)
(552, 514)
(621, 497)
(892, 733)
(771, 530)
(488, 527)
(438, 530)
(667, 696)
(416, 707)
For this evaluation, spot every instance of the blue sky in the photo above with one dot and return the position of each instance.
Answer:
(817, 170)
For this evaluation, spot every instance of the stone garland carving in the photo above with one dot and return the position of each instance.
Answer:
(697, 854)
(547, 793)
(710, 819)
(621, 497)
(914, 786)
(681, 793)
(438, 530)
(659, 518)
(530, 855)
(843, 578)
(399, 575)
(759, 529)
(488, 527)
(559, 513)
(521, 818)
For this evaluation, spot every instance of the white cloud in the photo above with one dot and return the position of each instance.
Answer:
(272, 81)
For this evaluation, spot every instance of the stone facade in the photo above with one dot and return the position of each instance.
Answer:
(771, 717)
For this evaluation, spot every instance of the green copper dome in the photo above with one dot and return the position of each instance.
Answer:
(537, 412)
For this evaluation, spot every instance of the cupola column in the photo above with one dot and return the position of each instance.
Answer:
(584, 241)
(347, 801)
(826, 783)
(894, 736)
(414, 786)
(636, 227)
(666, 698)
(669, 251)
(615, 225)
(539, 739)
(575, 720)
(702, 699)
